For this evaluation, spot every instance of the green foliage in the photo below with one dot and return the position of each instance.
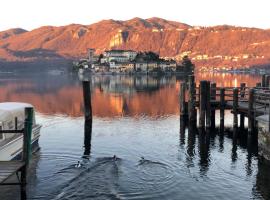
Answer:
(147, 56)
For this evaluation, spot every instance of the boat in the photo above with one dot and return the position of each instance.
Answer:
(12, 116)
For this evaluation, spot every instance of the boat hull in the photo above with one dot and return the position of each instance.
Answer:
(13, 149)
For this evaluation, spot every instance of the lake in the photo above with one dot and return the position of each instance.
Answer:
(137, 120)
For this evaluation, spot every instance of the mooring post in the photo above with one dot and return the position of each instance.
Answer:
(251, 125)
(208, 105)
(267, 81)
(235, 110)
(182, 100)
(222, 108)
(88, 117)
(258, 85)
(192, 100)
(242, 96)
(213, 111)
(87, 100)
(269, 117)
(263, 80)
(26, 154)
(202, 106)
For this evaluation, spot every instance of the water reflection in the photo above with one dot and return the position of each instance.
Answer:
(263, 180)
(134, 117)
(112, 95)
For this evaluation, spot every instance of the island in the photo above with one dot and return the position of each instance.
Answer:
(119, 61)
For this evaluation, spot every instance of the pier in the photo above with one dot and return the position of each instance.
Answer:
(19, 168)
(198, 105)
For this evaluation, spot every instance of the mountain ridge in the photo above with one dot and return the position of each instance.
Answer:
(222, 45)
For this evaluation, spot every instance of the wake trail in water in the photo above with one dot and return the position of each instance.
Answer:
(98, 179)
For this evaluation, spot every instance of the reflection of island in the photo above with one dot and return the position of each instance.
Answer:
(130, 84)
(111, 95)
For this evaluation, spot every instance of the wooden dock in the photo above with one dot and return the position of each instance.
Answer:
(19, 168)
(251, 103)
(243, 102)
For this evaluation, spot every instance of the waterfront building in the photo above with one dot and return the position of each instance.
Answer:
(141, 66)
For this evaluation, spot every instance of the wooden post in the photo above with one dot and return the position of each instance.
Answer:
(251, 127)
(258, 85)
(27, 135)
(182, 110)
(208, 106)
(235, 110)
(87, 100)
(263, 80)
(242, 95)
(16, 123)
(182, 100)
(222, 108)
(26, 154)
(269, 117)
(213, 111)
(88, 117)
(203, 93)
(267, 81)
(191, 102)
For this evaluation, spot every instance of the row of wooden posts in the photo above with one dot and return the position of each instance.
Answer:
(208, 98)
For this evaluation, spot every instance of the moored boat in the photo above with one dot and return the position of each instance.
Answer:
(12, 116)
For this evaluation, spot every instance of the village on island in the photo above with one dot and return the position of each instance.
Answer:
(131, 62)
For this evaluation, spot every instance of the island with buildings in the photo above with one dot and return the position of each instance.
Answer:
(118, 61)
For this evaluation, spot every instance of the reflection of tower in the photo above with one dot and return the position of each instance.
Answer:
(125, 108)
(91, 55)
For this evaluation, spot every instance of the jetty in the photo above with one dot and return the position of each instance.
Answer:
(198, 106)
(19, 168)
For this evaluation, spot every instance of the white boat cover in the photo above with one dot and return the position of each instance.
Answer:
(10, 110)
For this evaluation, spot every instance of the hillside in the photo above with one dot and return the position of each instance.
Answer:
(207, 46)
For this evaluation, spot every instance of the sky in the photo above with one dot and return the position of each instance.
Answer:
(31, 14)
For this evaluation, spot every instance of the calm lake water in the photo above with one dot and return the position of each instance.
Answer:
(133, 118)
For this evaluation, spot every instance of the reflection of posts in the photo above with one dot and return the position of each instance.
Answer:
(204, 151)
(263, 179)
(88, 118)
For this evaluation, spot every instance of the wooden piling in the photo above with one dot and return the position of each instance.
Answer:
(203, 99)
(263, 80)
(242, 96)
(269, 118)
(208, 106)
(267, 81)
(235, 110)
(182, 100)
(26, 154)
(258, 85)
(88, 117)
(222, 108)
(213, 111)
(87, 100)
(251, 118)
(191, 102)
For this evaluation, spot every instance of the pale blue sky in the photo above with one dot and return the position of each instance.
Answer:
(30, 14)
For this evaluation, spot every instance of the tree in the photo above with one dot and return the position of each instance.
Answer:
(187, 64)
(100, 57)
